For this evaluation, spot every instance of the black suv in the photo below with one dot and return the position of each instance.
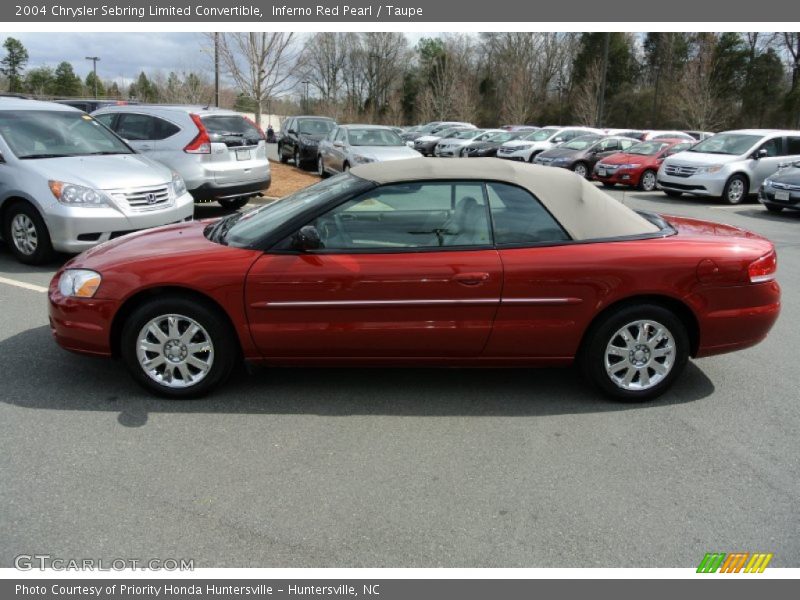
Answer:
(300, 137)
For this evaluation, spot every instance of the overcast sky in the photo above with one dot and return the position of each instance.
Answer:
(123, 55)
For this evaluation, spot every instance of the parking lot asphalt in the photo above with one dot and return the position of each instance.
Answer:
(402, 468)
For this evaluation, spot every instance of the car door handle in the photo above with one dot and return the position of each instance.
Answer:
(471, 278)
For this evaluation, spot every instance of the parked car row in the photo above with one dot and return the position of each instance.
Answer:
(70, 180)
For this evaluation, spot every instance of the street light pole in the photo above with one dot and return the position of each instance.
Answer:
(216, 70)
(305, 83)
(94, 60)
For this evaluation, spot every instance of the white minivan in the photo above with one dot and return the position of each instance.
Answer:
(67, 183)
(730, 165)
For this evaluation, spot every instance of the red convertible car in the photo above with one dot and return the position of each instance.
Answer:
(638, 165)
(423, 262)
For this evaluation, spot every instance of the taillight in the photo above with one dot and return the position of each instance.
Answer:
(764, 268)
(201, 144)
(253, 123)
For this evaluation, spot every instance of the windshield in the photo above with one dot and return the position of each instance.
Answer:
(647, 148)
(467, 135)
(314, 126)
(259, 222)
(540, 136)
(52, 134)
(727, 143)
(581, 143)
(374, 137)
(502, 137)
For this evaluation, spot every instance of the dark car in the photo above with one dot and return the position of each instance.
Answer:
(582, 153)
(89, 105)
(489, 146)
(299, 139)
(781, 189)
(426, 144)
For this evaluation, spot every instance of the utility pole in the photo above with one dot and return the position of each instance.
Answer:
(94, 60)
(602, 100)
(305, 83)
(216, 69)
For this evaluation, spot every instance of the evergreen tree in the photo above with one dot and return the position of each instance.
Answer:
(13, 64)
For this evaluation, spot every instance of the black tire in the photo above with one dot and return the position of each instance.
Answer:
(592, 358)
(281, 156)
(43, 249)
(582, 169)
(296, 157)
(233, 203)
(647, 182)
(607, 185)
(533, 157)
(320, 168)
(735, 191)
(673, 194)
(774, 209)
(223, 339)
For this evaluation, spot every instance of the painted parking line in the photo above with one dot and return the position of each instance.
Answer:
(24, 285)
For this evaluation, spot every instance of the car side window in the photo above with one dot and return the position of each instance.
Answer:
(774, 147)
(135, 127)
(409, 217)
(609, 145)
(625, 144)
(519, 217)
(342, 135)
(106, 119)
(164, 129)
(793, 145)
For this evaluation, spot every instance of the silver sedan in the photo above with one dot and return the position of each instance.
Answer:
(350, 145)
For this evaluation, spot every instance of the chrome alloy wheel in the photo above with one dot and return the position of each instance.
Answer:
(175, 351)
(648, 181)
(640, 355)
(23, 232)
(735, 191)
(580, 169)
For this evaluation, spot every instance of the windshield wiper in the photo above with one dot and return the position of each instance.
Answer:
(26, 156)
(219, 230)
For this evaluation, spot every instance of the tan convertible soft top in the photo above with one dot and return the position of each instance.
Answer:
(581, 208)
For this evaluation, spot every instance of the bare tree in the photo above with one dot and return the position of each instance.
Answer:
(696, 101)
(324, 58)
(260, 63)
(587, 94)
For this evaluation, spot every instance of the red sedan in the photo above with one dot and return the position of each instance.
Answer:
(638, 165)
(423, 262)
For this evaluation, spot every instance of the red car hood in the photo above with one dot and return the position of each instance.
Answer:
(182, 243)
(623, 158)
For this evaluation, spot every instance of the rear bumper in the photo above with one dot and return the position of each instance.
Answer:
(738, 317)
(215, 191)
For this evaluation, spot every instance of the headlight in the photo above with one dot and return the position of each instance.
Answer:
(522, 147)
(357, 158)
(78, 195)
(709, 169)
(768, 183)
(630, 166)
(308, 141)
(178, 185)
(79, 283)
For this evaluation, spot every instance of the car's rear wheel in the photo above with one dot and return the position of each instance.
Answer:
(647, 182)
(581, 169)
(774, 209)
(735, 191)
(26, 234)
(673, 194)
(321, 167)
(233, 203)
(177, 347)
(635, 353)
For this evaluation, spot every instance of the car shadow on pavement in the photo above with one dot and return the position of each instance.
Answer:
(65, 381)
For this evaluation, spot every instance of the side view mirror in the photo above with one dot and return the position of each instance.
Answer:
(293, 131)
(558, 140)
(761, 153)
(306, 238)
(339, 144)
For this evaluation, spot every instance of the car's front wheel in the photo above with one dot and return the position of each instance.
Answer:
(177, 347)
(26, 234)
(321, 167)
(635, 353)
(647, 183)
(581, 169)
(281, 156)
(735, 191)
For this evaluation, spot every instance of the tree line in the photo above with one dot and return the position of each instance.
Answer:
(659, 80)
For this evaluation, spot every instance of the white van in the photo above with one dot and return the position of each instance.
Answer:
(730, 165)
(67, 183)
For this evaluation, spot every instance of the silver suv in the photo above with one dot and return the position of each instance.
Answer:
(67, 183)
(730, 165)
(220, 154)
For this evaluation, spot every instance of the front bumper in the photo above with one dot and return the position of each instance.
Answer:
(75, 229)
(425, 148)
(81, 325)
(447, 152)
(617, 176)
(699, 185)
(766, 195)
(521, 155)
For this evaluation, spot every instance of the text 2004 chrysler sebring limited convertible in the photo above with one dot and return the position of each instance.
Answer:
(423, 262)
